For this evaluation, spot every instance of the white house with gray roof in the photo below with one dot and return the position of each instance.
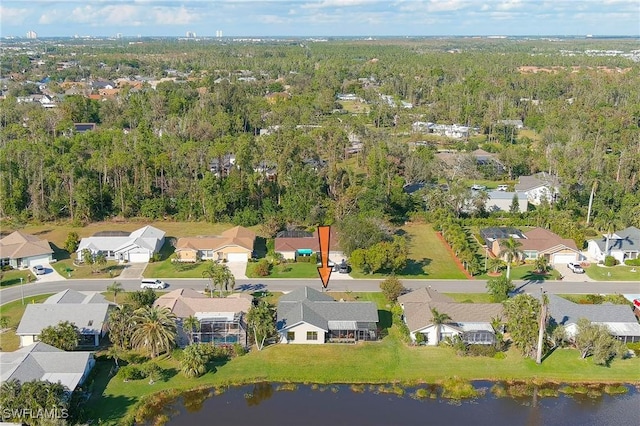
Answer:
(622, 245)
(89, 311)
(539, 187)
(307, 316)
(40, 361)
(135, 247)
(619, 319)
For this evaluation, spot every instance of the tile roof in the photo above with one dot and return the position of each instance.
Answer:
(187, 302)
(18, 245)
(542, 239)
(238, 236)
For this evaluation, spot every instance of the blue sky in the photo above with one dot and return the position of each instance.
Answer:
(243, 18)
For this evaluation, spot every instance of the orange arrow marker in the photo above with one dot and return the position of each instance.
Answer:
(324, 270)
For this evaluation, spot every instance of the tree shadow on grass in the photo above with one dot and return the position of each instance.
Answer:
(385, 319)
(59, 253)
(534, 276)
(416, 267)
(99, 406)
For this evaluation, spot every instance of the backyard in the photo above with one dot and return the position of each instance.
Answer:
(9, 341)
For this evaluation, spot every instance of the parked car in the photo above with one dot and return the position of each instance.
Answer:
(39, 270)
(151, 283)
(575, 267)
(478, 187)
(343, 268)
(502, 188)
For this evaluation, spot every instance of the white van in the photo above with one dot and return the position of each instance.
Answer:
(152, 283)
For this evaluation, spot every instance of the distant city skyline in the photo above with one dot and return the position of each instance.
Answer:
(307, 18)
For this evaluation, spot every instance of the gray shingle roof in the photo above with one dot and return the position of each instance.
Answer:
(73, 296)
(627, 239)
(313, 307)
(88, 317)
(565, 312)
(43, 362)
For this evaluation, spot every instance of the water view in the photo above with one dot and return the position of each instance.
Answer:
(276, 404)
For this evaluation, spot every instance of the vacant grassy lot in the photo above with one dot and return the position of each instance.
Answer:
(526, 272)
(9, 342)
(388, 361)
(428, 257)
(287, 270)
(67, 269)
(613, 273)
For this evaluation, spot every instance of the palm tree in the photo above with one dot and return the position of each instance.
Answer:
(190, 325)
(194, 361)
(155, 330)
(510, 249)
(541, 264)
(219, 277)
(439, 318)
(115, 288)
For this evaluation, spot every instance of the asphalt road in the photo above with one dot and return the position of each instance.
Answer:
(335, 284)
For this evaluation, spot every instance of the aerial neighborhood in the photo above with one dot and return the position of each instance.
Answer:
(163, 208)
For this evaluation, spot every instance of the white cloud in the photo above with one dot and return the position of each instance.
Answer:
(13, 15)
(171, 16)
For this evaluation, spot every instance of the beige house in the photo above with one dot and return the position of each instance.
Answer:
(20, 250)
(535, 243)
(233, 245)
(222, 319)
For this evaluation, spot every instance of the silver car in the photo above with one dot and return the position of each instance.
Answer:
(151, 283)
(39, 270)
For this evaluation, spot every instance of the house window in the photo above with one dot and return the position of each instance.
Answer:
(312, 335)
(4, 261)
(530, 254)
(291, 336)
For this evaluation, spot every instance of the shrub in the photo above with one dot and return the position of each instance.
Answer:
(262, 268)
(131, 372)
(500, 355)
(610, 261)
(239, 350)
(481, 350)
(392, 288)
(632, 262)
(635, 347)
(7, 268)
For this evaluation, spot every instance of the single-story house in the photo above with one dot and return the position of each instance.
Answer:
(20, 250)
(539, 187)
(40, 361)
(470, 321)
(135, 247)
(307, 316)
(222, 319)
(291, 244)
(534, 244)
(89, 311)
(619, 319)
(233, 245)
(622, 245)
(502, 200)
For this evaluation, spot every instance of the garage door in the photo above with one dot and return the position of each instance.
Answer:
(564, 258)
(237, 257)
(37, 260)
(138, 257)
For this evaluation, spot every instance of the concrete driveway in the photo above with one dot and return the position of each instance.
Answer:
(133, 270)
(49, 275)
(238, 269)
(569, 275)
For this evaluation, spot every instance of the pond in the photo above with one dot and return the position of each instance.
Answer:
(309, 405)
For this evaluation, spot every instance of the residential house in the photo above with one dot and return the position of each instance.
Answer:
(222, 319)
(470, 321)
(518, 124)
(502, 200)
(539, 187)
(83, 127)
(43, 100)
(135, 247)
(623, 245)
(21, 250)
(89, 311)
(296, 243)
(40, 361)
(222, 165)
(307, 316)
(619, 319)
(534, 243)
(233, 245)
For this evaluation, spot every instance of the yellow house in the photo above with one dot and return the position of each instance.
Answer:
(233, 245)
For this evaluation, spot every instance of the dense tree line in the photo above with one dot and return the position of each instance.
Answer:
(154, 149)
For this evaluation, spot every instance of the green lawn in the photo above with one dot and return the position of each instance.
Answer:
(288, 270)
(614, 273)
(526, 272)
(13, 276)
(388, 361)
(168, 269)
(9, 342)
(428, 256)
(67, 269)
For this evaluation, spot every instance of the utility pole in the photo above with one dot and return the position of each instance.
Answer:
(22, 290)
(543, 323)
